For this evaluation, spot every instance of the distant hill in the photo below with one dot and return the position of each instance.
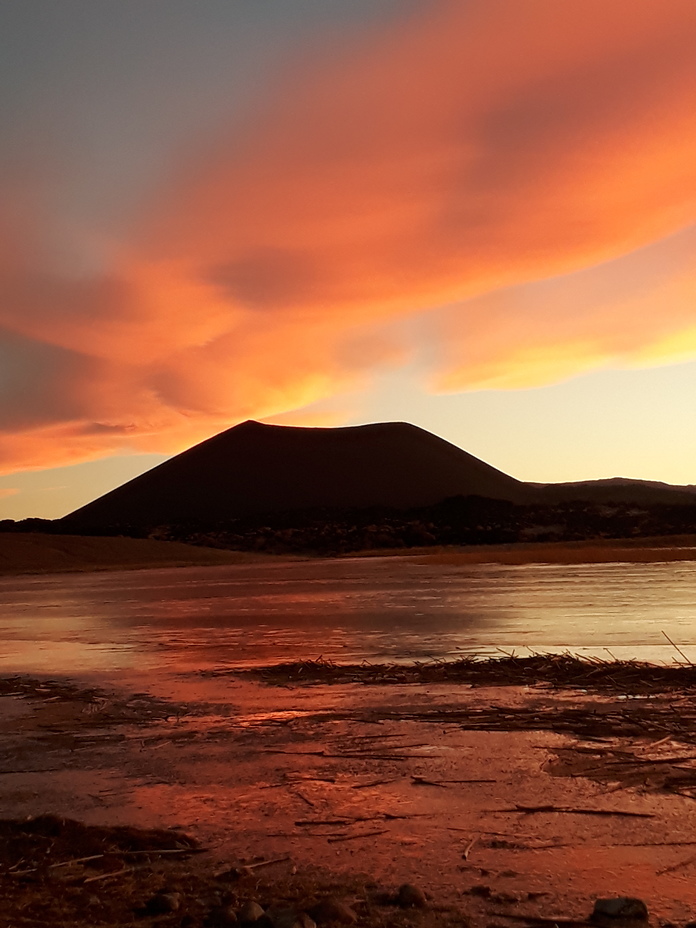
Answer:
(618, 490)
(256, 468)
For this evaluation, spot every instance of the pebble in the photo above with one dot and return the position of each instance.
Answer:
(304, 921)
(410, 896)
(624, 907)
(504, 898)
(289, 918)
(223, 917)
(331, 909)
(250, 912)
(479, 889)
(162, 903)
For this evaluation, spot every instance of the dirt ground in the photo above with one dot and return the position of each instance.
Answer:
(505, 804)
(35, 553)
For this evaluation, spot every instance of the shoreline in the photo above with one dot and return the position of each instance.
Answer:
(34, 553)
(651, 549)
(28, 554)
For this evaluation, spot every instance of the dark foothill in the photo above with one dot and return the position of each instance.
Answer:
(621, 907)
(411, 897)
(331, 909)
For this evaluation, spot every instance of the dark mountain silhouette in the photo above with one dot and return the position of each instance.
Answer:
(619, 490)
(333, 478)
(256, 468)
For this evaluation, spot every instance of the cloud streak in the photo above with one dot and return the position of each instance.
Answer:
(445, 163)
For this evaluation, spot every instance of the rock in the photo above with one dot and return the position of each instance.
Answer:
(250, 912)
(162, 903)
(234, 873)
(223, 917)
(382, 897)
(410, 896)
(624, 907)
(282, 918)
(504, 898)
(289, 918)
(331, 909)
(480, 889)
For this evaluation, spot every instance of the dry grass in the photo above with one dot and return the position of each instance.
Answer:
(35, 554)
(555, 670)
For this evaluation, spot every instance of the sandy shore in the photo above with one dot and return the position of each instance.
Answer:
(30, 553)
(593, 551)
(35, 553)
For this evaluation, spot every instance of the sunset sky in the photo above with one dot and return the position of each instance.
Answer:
(478, 216)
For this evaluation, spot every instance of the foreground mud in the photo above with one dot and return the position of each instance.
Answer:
(126, 876)
(504, 804)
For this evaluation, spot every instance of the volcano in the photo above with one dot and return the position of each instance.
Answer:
(255, 468)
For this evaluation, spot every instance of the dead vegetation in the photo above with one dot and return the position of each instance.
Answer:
(548, 670)
(84, 706)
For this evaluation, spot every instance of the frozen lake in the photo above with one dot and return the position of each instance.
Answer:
(378, 609)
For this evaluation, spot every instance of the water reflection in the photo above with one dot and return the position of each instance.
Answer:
(352, 609)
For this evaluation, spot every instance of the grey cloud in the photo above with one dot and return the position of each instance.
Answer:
(40, 384)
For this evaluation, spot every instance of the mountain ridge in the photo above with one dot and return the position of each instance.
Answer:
(254, 468)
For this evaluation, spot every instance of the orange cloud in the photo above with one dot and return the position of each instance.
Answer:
(635, 311)
(479, 145)
(452, 157)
